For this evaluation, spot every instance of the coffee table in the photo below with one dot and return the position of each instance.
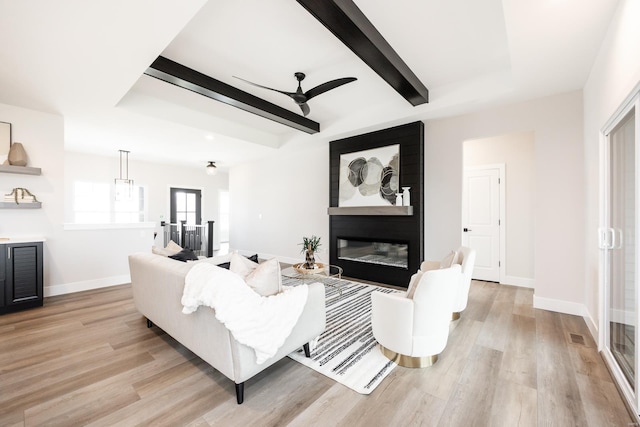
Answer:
(328, 272)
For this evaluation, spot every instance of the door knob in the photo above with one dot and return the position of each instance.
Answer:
(466, 230)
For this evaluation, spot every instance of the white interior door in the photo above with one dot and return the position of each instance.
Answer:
(481, 220)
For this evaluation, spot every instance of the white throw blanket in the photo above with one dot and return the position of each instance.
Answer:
(262, 323)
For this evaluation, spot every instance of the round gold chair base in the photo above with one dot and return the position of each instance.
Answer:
(455, 315)
(409, 361)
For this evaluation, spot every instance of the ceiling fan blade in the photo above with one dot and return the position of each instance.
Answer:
(320, 89)
(305, 108)
(290, 94)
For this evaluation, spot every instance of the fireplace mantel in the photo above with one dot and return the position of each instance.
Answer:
(372, 210)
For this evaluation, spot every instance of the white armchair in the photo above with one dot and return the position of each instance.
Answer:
(413, 331)
(466, 257)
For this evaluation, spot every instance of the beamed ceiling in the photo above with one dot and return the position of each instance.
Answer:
(91, 62)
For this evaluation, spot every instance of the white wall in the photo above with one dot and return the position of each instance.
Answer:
(516, 152)
(559, 189)
(277, 201)
(291, 191)
(83, 259)
(615, 73)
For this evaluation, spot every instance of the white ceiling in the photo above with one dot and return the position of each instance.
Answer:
(85, 60)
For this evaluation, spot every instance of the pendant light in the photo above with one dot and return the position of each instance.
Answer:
(124, 185)
(212, 169)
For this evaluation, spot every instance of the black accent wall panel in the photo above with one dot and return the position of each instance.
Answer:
(401, 229)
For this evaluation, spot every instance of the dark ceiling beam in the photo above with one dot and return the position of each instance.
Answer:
(347, 22)
(172, 72)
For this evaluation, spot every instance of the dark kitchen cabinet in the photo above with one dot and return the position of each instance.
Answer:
(21, 267)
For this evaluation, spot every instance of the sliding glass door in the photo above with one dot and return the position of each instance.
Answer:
(619, 239)
(622, 290)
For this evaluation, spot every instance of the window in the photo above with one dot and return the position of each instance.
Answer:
(94, 203)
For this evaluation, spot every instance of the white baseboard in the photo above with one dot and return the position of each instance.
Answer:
(566, 307)
(593, 328)
(524, 282)
(68, 288)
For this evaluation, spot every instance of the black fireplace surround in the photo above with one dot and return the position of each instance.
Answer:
(388, 238)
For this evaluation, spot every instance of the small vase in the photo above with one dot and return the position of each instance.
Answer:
(406, 196)
(17, 155)
(309, 260)
(398, 199)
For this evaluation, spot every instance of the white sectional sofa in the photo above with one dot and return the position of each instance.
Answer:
(158, 283)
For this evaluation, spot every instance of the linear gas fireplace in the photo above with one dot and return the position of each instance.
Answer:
(390, 254)
(371, 236)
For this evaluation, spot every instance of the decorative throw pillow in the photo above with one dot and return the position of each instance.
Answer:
(184, 255)
(227, 265)
(265, 279)
(449, 260)
(241, 265)
(172, 248)
(413, 284)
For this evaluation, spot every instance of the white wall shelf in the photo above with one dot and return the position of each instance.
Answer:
(372, 210)
(13, 205)
(23, 170)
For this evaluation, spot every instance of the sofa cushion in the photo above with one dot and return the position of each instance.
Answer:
(241, 265)
(219, 260)
(184, 255)
(224, 261)
(266, 279)
(172, 248)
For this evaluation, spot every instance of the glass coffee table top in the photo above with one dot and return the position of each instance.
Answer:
(320, 275)
(326, 271)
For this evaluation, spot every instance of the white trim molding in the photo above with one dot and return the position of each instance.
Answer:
(560, 306)
(524, 282)
(68, 288)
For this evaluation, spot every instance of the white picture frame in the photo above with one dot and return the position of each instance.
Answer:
(5, 141)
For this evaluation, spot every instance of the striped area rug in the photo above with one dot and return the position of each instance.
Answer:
(346, 351)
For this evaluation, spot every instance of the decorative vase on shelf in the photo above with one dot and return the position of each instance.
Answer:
(398, 199)
(406, 196)
(17, 155)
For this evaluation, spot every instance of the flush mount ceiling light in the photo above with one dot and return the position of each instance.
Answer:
(212, 169)
(124, 185)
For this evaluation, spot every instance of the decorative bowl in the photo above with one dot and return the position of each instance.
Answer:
(299, 267)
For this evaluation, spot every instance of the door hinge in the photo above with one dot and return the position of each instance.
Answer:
(499, 264)
(498, 180)
(499, 222)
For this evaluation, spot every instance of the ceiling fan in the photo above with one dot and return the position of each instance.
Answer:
(300, 97)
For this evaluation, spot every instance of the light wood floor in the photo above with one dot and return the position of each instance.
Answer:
(89, 359)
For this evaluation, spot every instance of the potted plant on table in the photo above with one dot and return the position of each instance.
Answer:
(309, 246)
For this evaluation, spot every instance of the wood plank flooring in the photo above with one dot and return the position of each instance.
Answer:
(89, 359)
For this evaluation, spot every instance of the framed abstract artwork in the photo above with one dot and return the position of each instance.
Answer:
(370, 177)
